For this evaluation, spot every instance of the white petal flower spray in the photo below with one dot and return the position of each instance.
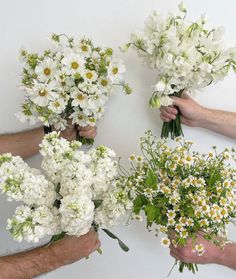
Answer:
(186, 56)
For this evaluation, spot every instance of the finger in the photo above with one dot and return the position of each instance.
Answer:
(92, 136)
(165, 119)
(87, 128)
(168, 115)
(170, 110)
(178, 101)
(88, 134)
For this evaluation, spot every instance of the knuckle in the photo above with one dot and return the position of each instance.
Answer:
(185, 254)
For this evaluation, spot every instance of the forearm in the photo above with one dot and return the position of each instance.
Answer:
(24, 144)
(219, 121)
(228, 256)
(29, 264)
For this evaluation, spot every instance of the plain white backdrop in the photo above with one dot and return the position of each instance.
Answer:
(109, 23)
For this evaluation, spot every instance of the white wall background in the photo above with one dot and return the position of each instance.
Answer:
(109, 23)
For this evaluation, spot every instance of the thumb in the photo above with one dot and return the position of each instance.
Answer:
(179, 101)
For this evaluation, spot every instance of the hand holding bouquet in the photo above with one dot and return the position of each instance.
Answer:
(79, 191)
(183, 193)
(186, 56)
(71, 80)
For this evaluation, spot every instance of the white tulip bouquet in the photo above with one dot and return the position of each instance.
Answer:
(71, 80)
(79, 191)
(186, 56)
(183, 192)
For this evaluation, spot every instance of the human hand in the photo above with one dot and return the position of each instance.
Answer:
(88, 132)
(71, 248)
(212, 254)
(191, 112)
(70, 132)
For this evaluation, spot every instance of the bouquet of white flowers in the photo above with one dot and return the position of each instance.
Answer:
(81, 190)
(186, 56)
(183, 192)
(71, 80)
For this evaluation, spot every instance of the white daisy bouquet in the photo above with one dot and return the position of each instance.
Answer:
(183, 192)
(78, 191)
(186, 56)
(71, 80)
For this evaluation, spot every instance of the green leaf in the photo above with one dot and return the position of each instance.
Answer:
(121, 244)
(150, 211)
(138, 204)
(151, 179)
(215, 176)
(97, 203)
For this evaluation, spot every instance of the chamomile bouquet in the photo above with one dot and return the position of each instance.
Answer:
(182, 192)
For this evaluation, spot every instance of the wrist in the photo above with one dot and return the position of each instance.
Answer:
(222, 255)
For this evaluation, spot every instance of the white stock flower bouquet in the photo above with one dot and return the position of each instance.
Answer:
(186, 56)
(78, 191)
(71, 80)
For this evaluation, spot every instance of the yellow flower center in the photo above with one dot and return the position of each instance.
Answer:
(84, 48)
(43, 93)
(115, 70)
(104, 82)
(56, 104)
(74, 65)
(92, 120)
(89, 75)
(189, 158)
(47, 71)
(80, 97)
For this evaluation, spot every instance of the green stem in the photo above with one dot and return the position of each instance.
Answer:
(190, 266)
(85, 141)
(172, 268)
(173, 127)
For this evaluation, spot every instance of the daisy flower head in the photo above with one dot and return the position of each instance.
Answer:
(165, 242)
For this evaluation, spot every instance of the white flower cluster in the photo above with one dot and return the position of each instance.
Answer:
(88, 194)
(34, 223)
(81, 190)
(72, 81)
(116, 203)
(185, 55)
(37, 217)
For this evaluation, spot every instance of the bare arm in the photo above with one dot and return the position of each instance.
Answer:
(194, 115)
(41, 260)
(222, 122)
(26, 143)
